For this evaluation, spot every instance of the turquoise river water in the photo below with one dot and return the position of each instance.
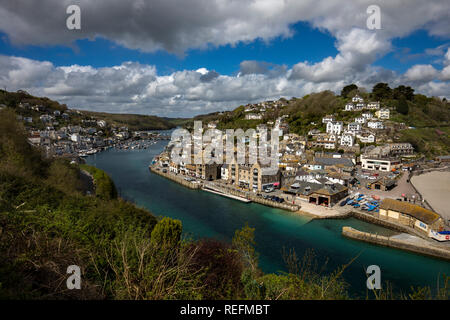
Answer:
(208, 215)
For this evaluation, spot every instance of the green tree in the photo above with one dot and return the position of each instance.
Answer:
(403, 91)
(381, 91)
(347, 89)
(167, 233)
(244, 242)
(402, 106)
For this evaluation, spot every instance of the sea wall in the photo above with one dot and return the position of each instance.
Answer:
(424, 249)
(174, 178)
(247, 195)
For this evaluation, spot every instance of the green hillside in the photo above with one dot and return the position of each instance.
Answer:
(134, 122)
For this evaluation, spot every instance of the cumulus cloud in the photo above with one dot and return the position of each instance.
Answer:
(421, 73)
(176, 27)
(137, 88)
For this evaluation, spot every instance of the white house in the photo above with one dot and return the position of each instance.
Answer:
(334, 127)
(253, 116)
(101, 123)
(354, 127)
(347, 140)
(367, 115)
(373, 105)
(366, 137)
(360, 120)
(375, 124)
(383, 114)
(357, 98)
(349, 107)
(360, 106)
(75, 138)
(328, 118)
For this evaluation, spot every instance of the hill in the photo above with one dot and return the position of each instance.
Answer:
(425, 120)
(18, 100)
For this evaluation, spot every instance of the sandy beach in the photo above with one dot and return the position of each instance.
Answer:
(435, 188)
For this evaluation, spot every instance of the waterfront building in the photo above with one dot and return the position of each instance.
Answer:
(414, 216)
(321, 192)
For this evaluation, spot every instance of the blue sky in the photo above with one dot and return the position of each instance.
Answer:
(168, 58)
(306, 43)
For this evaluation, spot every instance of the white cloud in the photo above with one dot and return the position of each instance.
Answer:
(137, 88)
(421, 73)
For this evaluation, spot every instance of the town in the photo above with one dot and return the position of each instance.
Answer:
(73, 135)
(341, 167)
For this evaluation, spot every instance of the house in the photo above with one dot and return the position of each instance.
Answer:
(28, 119)
(383, 114)
(101, 123)
(366, 137)
(349, 107)
(401, 149)
(379, 164)
(347, 140)
(253, 116)
(357, 98)
(383, 184)
(256, 177)
(367, 115)
(375, 125)
(360, 120)
(212, 125)
(334, 127)
(408, 214)
(328, 118)
(75, 137)
(354, 127)
(373, 105)
(360, 106)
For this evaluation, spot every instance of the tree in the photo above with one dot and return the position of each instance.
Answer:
(406, 92)
(167, 233)
(402, 106)
(244, 242)
(347, 89)
(381, 91)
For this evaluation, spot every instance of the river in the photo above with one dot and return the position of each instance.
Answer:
(205, 214)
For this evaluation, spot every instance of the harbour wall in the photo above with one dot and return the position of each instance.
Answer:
(237, 193)
(424, 249)
(174, 178)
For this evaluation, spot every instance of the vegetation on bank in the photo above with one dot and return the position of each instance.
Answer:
(104, 186)
(47, 222)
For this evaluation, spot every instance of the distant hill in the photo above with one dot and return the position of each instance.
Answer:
(132, 121)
